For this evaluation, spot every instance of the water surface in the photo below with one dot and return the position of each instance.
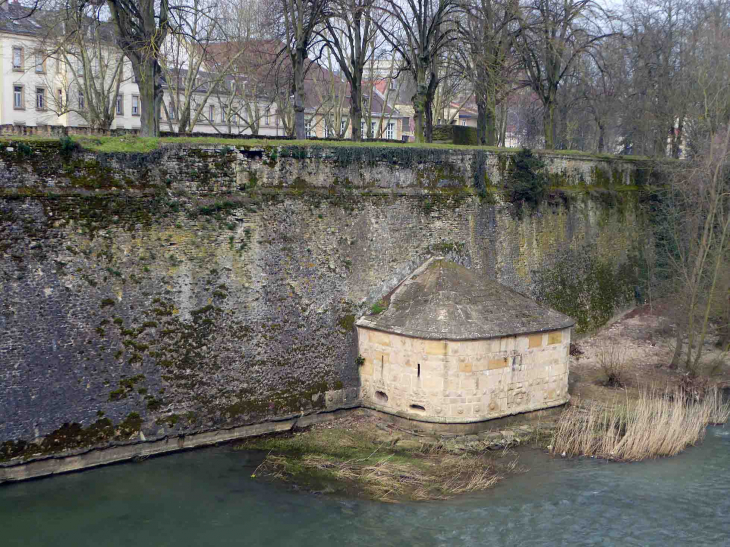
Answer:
(207, 497)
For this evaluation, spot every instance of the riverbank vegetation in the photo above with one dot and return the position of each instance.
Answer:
(655, 424)
(355, 456)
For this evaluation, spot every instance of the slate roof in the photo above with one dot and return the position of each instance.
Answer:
(20, 19)
(445, 301)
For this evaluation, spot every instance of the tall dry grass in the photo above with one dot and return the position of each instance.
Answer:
(656, 424)
(435, 476)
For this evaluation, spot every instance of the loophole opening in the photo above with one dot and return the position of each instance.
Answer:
(381, 397)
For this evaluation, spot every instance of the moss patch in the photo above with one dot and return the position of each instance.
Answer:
(74, 436)
(587, 288)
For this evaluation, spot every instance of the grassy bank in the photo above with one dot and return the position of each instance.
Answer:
(364, 460)
(134, 144)
(655, 424)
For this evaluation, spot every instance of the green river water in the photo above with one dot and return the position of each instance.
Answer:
(207, 498)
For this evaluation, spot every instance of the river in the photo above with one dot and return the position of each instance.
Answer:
(207, 497)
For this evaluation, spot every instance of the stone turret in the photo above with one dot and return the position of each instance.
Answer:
(454, 347)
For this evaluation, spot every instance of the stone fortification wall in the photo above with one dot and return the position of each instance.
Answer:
(200, 288)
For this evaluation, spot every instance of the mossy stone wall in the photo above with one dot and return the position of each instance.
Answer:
(194, 289)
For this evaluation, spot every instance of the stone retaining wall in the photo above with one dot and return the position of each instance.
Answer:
(194, 289)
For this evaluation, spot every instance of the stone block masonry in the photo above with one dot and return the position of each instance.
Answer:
(462, 381)
(193, 289)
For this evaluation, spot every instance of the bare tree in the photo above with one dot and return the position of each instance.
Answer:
(708, 67)
(182, 57)
(348, 34)
(89, 68)
(300, 21)
(552, 35)
(488, 29)
(142, 27)
(210, 56)
(697, 226)
(424, 28)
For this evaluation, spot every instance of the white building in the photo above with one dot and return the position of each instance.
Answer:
(38, 88)
(44, 85)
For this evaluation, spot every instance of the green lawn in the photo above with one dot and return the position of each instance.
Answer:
(147, 144)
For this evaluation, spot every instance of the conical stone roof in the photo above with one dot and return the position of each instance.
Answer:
(445, 301)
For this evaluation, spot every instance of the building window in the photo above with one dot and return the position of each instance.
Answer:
(59, 103)
(373, 128)
(120, 105)
(81, 100)
(310, 132)
(223, 113)
(40, 98)
(17, 58)
(171, 111)
(267, 113)
(40, 63)
(135, 105)
(463, 122)
(343, 126)
(362, 129)
(79, 67)
(390, 130)
(211, 113)
(18, 102)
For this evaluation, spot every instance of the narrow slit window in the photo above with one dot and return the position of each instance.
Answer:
(419, 370)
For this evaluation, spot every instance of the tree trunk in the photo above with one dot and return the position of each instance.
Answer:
(724, 341)
(548, 118)
(481, 121)
(601, 138)
(503, 126)
(428, 129)
(430, 95)
(419, 111)
(148, 74)
(356, 109)
(491, 115)
(183, 123)
(299, 128)
(677, 139)
(677, 349)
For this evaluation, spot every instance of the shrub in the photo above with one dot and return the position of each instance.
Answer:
(456, 134)
(612, 360)
(24, 149)
(68, 145)
(526, 179)
(379, 307)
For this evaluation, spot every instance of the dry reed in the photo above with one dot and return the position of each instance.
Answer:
(656, 424)
(386, 479)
